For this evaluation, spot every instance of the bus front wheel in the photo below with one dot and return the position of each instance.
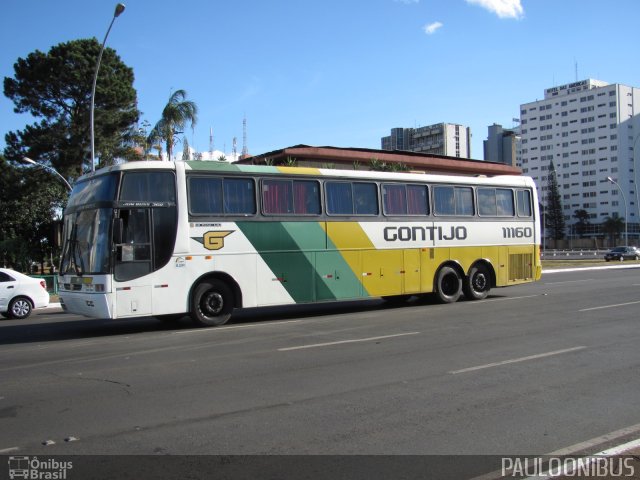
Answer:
(212, 304)
(477, 284)
(448, 285)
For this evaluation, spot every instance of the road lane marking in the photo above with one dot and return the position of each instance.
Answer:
(340, 342)
(569, 469)
(517, 360)
(9, 450)
(608, 306)
(569, 281)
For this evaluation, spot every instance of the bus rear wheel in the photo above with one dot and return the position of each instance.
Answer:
(448, 285)
(212, 304)
(477, 284)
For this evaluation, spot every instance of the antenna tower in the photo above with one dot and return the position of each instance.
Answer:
(245, 151)
(234, 149)
(211, 143)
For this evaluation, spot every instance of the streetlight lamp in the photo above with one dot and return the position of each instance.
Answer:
(119, 9)
(626, 213)
(47, 167)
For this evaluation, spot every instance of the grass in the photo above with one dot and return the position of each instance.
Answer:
(593, 262)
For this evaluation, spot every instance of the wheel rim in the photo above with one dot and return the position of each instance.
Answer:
(212, 304)
(450, 284)
(479, 282)
(21, 308)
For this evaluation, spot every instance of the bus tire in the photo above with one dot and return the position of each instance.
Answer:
(211, 304)
(478, 283)
(448, 285)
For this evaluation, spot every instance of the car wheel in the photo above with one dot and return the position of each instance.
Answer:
(20, 308)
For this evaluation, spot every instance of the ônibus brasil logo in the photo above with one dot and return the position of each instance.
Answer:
(33, 468)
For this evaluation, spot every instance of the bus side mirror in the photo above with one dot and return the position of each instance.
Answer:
(117, 231)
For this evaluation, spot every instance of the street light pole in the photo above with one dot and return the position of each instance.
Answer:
(47, 167)
(119, 9)
(626, 212)
(635, 176)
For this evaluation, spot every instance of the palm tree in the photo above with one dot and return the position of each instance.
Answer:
(175, 116)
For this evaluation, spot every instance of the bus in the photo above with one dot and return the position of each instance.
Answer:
(171, 239)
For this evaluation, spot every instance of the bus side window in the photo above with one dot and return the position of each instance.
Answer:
(339, 198)
(453, 200)
(524, 203)
(365, 197)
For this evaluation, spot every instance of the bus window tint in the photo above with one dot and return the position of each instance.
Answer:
(205, 195)
(394, 199)
(148, 186)
(401, 199)
(453, 200)
(277, 197)
(365, 197)
(220, 196)
(339, 198)
(504, 202)
(495, 202)
(524, 203)
(299, 197)
(306, 197)
(239, 196)
(417, 200)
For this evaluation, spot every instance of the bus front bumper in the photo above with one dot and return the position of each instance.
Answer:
(86, 304)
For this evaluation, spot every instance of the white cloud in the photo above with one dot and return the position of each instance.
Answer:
(432, 27)
(502, 8)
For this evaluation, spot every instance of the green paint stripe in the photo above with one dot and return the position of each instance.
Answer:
(297, 253)
(215, 166)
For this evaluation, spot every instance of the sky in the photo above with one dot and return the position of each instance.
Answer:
(337, 72)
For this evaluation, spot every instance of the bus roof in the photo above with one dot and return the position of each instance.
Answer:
(230, 168)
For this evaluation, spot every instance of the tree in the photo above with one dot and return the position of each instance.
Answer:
(30, 201)
(583, 221)
(612, 226)
(55, 87)
(554, 218)
(177, 113)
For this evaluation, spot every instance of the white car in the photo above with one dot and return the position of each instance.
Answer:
(20, 294)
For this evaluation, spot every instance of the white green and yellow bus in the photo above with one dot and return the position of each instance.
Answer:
(169, 239)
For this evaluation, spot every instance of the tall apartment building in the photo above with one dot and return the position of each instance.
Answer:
(502, 145)
(588, 129)
(440, 139)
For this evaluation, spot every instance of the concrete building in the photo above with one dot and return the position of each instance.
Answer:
(502, 145)
(589, 130)
(447, 139)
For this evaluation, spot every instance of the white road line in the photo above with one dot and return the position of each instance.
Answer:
(585, 461)
(609, 306)
(9, 450)
(570, 281)
(357, 340)
(517, 360)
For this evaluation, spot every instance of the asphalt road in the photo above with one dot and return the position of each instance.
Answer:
(530, 370)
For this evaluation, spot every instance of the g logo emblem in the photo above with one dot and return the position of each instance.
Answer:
(215, 240)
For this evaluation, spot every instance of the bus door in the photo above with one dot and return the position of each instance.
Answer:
(133, 262)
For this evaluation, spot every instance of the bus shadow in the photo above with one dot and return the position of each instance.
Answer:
(35, 330)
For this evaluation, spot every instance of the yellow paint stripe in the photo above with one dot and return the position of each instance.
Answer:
(299, 170)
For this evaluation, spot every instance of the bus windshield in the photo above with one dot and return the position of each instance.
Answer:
(87, 225)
